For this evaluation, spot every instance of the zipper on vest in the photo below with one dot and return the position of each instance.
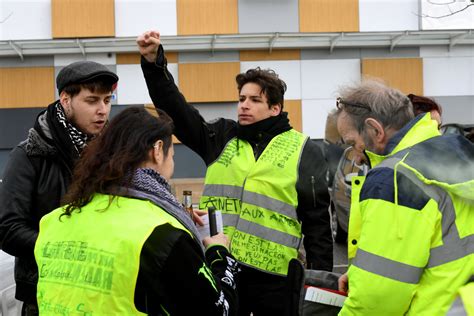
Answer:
(313, 181)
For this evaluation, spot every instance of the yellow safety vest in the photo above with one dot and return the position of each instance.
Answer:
(467, 296)
(388, 275)
(258, 200)
(88, 263)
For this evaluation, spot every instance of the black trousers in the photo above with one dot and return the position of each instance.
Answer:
(29, 309)
(261, 293)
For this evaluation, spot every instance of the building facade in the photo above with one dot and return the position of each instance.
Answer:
(316, 46)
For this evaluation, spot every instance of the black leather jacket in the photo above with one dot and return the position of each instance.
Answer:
(35, 178)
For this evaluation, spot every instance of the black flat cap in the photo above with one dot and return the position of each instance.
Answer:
(84, 71)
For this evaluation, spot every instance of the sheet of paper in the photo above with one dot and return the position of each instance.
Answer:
(322, 296)
(204, 231)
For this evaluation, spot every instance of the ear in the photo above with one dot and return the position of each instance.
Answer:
(65, 100)
(157, 152)
(275, 109)
(375, 129)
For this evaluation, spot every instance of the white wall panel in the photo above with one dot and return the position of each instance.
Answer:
(215, 110)
(288, 70)
(173, 69)
(432, 12)
(102, 58)
(388, 15)
(132, 88)
(449, 76)
(314, 114)
(25, 19)
(322, 78)
(133, 17)
(444, 51)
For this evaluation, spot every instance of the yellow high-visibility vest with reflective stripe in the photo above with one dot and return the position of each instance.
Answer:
(258, 200)
(88, 263)
(423, 275)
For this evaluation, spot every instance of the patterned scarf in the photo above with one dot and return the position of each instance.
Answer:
(78, 138)
(148, 183)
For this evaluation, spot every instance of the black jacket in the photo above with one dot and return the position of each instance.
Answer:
(169, 277)
(36, 176)
(208, 139)
(171, 270)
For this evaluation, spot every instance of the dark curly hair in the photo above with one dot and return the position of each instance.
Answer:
(273, 87)
(109, 160)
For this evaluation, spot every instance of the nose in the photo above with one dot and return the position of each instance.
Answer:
(244, 104)
(103, 107)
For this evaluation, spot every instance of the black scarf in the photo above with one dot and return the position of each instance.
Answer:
(66, 139)
(264, 130)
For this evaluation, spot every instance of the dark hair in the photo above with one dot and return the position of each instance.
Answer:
(273, 87)
(101, 86)
(423, 104)
(110, 159)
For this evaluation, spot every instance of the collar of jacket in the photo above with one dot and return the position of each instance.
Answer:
(416, 131)
(37, 142)
(264, 130)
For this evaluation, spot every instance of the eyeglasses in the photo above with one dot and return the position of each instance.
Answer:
(341, 103)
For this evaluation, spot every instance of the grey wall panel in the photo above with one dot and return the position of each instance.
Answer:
(211, 111)
(324, 53)
(351, 53)
(117, 108)
(29, 61)
(457, 109)
(14, 125)
(187, 163)
(384, 52)
(260, 16)
(208, 57)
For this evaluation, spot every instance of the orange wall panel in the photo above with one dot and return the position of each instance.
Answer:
(329, 15)
(214, 82)
(83, 18)
(405, 74)
(128, 58)
(197, 17)
(26, 87)
(293, 107)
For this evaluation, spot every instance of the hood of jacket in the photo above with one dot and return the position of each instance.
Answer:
(446, 161)
(37, 144)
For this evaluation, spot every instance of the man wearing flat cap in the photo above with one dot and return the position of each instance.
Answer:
(39, 169)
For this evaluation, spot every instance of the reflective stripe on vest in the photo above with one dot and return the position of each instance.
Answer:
(258, 200)
(88, 263)
(453, 247)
